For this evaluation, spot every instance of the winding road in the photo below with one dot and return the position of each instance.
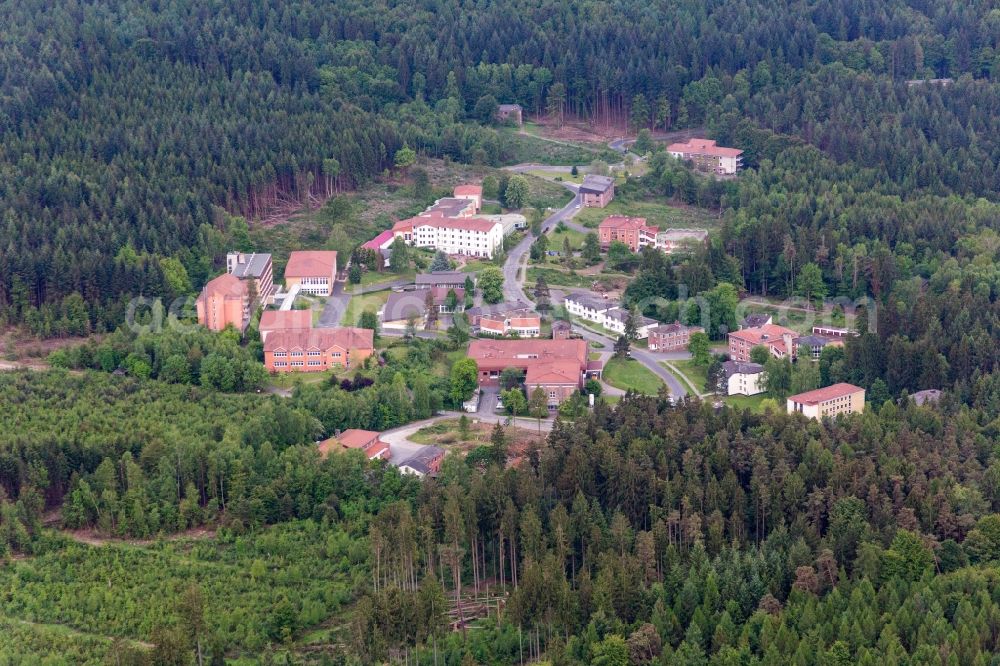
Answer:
(513, 290)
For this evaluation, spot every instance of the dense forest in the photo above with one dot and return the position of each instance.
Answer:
(130, 134)
(140, 141)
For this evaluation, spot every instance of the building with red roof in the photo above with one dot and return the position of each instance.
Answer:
(365, 440)
(314, 271)
(225, 301)
(708, 156)
(471, 192)
(318, 349)
(778, 340)
(283, 320)
(633, 231)
(559, 367)
(839, 398)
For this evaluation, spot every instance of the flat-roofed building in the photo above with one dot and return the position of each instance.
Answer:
(839, 398)
(255, 269)
(672, 240)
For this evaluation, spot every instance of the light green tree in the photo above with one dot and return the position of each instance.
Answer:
(491, 284)
(516, 194)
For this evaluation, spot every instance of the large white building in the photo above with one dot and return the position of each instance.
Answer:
(607, 314)
(743, 378)
(588, 307)
(470, 236)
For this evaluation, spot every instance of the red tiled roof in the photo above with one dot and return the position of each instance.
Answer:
(465, 224)
(347, 337)
(469, 190)
(275, 320)
(356, 439)
(526, 353)
(225, 285)
(766, 334)
(553, 372)
(824, 394)
(311, 263)
(380, 240)
(703, 147)
(625, 222)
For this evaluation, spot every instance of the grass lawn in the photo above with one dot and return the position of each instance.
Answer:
(372, 302)
(556, 176)
(370, 278)
(560, 278)
(532, 148)
(630, 374)
(751, 402)
(546, 194)
(557, 238)
(658, 212)
(698, 374)
(289, 380)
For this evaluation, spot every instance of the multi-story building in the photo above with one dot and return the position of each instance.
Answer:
(615, 318)
(828, 401)
(778, 340)
(597, 191)
(672, 240)
(587, 307)
(816, 343)
(756, 320)
(471, 192)
(743, 378)
(633, 231)
(505, 319)
(475, 237)
(671, 337)
(314, 271)
(225, 301)
(707, 156)
(315, 350)
(256, 271)
(283, 320)
(559, 367)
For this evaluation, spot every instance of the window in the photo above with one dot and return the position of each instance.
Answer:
(280, 354)
(296, 353)
(314, 353)
(315, 363)
(280, 364)
(296, 364)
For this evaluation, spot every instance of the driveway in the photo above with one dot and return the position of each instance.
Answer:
(402, 448)
(513, 288)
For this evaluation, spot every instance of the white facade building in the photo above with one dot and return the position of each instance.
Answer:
(587, 307)
(474, 237)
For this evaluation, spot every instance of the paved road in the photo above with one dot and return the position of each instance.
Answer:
(513, 287)
(649, 359)
(402, 447)
(337, 304)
